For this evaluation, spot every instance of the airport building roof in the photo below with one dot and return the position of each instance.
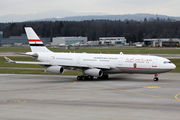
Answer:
(21, 39)
(163, 39)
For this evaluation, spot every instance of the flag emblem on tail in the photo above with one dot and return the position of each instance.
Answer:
(37, 42)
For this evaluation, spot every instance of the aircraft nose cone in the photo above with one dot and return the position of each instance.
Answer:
(173, 66)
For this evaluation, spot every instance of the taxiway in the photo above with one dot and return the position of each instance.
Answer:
(123, 96)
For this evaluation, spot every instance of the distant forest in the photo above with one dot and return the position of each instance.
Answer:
(132, 30)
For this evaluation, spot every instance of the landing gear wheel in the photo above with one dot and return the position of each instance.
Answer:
(91, 77)
(156, 79)
(79, 77)
(103, 77)
(86, 77)
(106, 76)
(99, 78)
(83, 77)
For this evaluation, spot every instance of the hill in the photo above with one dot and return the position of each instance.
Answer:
(136, 17)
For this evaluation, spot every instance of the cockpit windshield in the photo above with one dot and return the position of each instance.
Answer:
(166, 62)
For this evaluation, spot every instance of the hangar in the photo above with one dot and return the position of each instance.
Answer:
(162, 42)
(112, 40)
(68, 40)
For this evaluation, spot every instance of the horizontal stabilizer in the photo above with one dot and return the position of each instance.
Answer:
(9, 60)
(27, 62)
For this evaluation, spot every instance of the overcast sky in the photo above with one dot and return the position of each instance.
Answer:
(164, 7)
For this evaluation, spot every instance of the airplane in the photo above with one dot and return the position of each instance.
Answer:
(93, 65)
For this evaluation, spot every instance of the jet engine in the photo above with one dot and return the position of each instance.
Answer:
(55, 69)
(94, 72)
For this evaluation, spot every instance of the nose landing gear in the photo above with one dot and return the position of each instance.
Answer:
(156, 77)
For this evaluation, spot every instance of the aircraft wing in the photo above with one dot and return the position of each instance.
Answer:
(49, 64)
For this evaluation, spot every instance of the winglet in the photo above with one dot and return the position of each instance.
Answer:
(9, 60)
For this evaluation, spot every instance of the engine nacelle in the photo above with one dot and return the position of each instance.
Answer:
(55, 69)
(94, 72)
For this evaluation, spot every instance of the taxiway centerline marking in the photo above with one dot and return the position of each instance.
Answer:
(176, 96)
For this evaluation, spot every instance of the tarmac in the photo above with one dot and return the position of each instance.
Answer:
(58, 97)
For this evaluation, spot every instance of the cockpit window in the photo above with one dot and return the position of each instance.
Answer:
(166, 62)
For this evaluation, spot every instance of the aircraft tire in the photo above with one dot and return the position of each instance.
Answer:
(106, 76)
(86, 77)
(156, 79)
(83, 77)
(79, 77)
(91, 77)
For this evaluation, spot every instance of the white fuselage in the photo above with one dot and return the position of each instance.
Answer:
(110, 63)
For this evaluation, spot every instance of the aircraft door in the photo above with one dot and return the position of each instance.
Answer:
(154, 63)
(120, 62)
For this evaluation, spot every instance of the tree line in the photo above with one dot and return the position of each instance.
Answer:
(132, 30)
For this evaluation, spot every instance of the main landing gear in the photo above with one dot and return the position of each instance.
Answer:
(84, 77)
(156, 77)
(104, 77)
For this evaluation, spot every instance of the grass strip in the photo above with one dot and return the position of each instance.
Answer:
(115, 50)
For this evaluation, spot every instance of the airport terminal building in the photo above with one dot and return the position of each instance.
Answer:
(162, 42)
(20, 41)
(117, 41)
(62, 41)
(23, 41)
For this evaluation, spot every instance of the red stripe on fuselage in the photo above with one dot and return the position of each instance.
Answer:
(33, 40)
(142, 68)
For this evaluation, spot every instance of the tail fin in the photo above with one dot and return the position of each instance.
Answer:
(35, 43)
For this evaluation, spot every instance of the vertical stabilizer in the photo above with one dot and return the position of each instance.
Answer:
(35, 43)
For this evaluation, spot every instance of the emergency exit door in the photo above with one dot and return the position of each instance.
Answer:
(154, 63)
(120, 62)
